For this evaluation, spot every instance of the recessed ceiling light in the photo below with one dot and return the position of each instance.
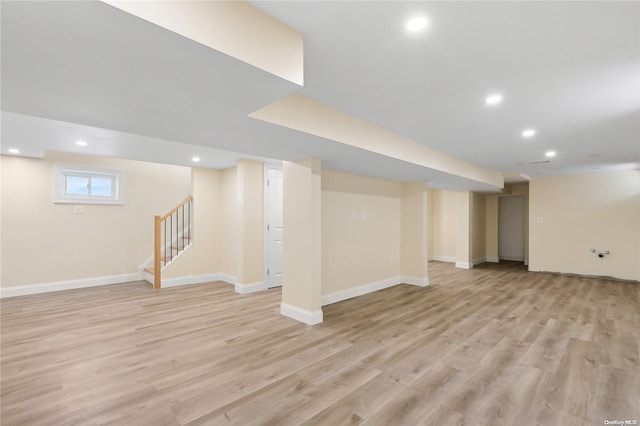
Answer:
(195, 159)
(417, 23)
(14, 151)
(550, 154)
(81, 143)
(494, 99)
(528, 133)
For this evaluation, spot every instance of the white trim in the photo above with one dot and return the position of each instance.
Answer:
(463, 265)
(250, 288)
(526, 262)
(190, 279)
(68, 285)
(229, 279)
(174, 242)
(493, 259)
(196, 279)
(352, 292)
(349, 293)
(146, 264)
(513, 258)
(420, 282)
(180, 253)
(302, 315)
(478, 261)
(60, 170)
(265, 221)
(443, 258)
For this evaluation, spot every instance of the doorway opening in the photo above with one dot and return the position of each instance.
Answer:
(511, 228)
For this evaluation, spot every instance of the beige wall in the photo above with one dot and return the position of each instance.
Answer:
(415, 251)
(523, 189)
(442, 224)
(580, 212)
(205, 255)
(302, 247)
(229, 242)
(249, 213)
(45, 242)
(463, 229)
(361, 228)
(491, 228)
(241, 221)
(478, 228)
(228, 231)
(492, 219)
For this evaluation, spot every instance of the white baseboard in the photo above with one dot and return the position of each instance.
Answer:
(302, 315)
(229, 279)
(190, 279)
(350, 293)
(478, 261)
(420, 282)
(250, 288)
(513, 258)
(24, 290)
(443, 259)
(464, 265)
(124, 278)
(526, 262)
(493, 259)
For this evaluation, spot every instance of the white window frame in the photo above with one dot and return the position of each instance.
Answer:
(61, 171)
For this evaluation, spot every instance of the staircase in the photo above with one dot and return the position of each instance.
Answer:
(172, 237)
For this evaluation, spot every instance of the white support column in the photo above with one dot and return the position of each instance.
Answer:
(415, 257)
(301, 256)
(463, 230)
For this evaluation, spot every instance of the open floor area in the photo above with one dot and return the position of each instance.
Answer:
(492, 345)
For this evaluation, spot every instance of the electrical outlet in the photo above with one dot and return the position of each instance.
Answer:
(78, 209)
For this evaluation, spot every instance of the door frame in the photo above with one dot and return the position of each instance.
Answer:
(265, 219)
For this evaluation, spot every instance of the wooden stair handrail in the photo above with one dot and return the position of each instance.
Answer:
(157, 268)
(175, 209)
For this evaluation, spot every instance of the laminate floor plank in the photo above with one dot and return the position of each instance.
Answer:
(492, 345)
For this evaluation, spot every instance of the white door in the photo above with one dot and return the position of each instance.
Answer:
(273, 209)
(511, 224)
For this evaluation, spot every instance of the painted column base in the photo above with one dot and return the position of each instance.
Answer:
(302, 315)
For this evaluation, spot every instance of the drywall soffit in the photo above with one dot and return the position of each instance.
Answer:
(301, 113)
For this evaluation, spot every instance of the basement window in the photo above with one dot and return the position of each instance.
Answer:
(78, 184)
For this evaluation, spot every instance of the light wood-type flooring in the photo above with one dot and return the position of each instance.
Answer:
(495, 345)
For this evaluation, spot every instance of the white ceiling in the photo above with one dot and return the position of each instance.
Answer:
(571, 70)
